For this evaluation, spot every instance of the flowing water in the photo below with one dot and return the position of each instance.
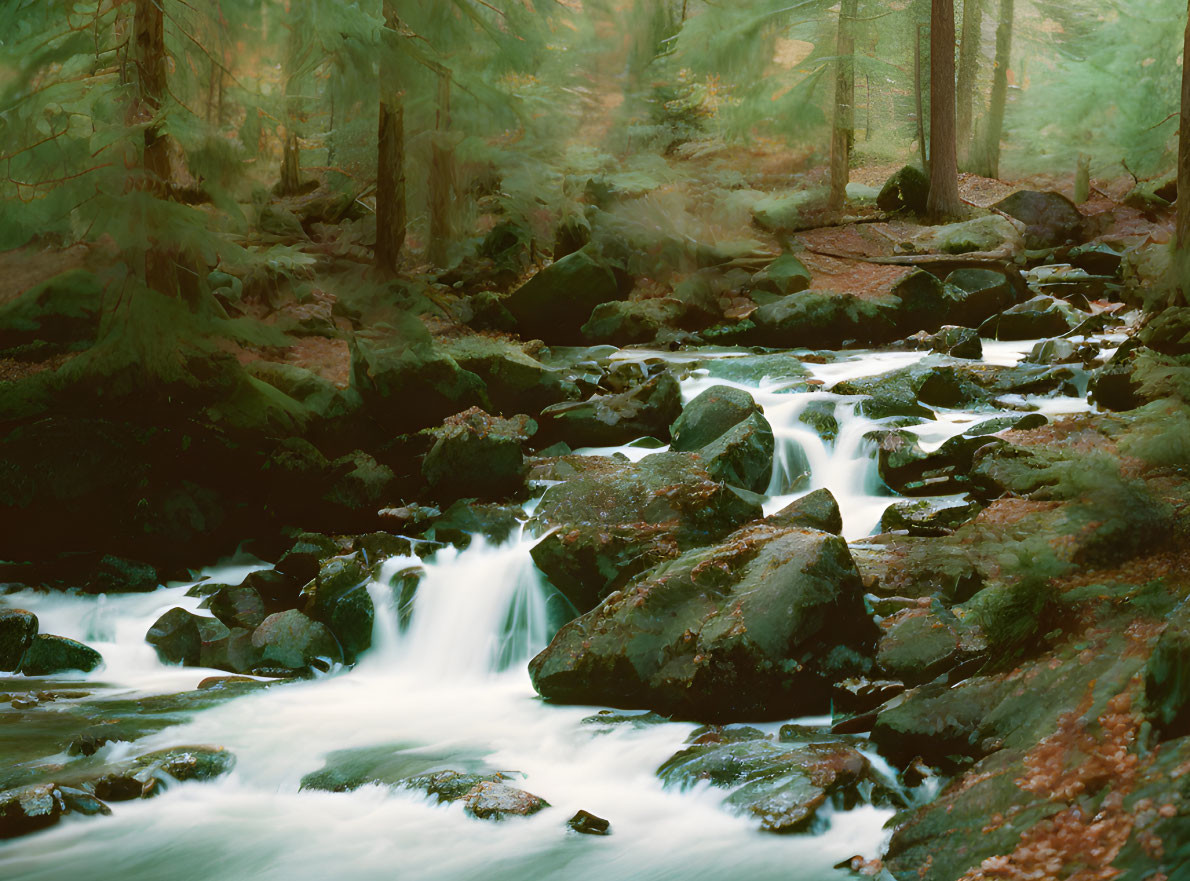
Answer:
(446, 680)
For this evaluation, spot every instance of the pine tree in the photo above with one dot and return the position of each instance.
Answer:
(391, 218)
(990, 163)
(843, 134)
(969, 54)
(943, 201)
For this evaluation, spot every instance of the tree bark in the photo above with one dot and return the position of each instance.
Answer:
(943, 202)
(291, 155)
(391, 216)
(442, 176)
(149, 36)
(995, 128)
(843, 135)
(968, 74)
(919, 88)
(1183, 227)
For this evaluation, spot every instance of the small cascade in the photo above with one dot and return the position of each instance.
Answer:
(465, 614)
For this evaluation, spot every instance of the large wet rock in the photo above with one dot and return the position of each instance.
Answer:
(516, 381)
(300, 564)
(784, 276)
(119, 575)
(625, 323)
(928, 516)
(781, 785)
(1035, 319)
(757, 626)
(48, 654)
(558, 301)
(477, 456)
(17, 630)
(728, 432)
(240, 606)
(405, 381)
(908, 188)
(340, 600)
(1051, 220)
(817, 319)
(981, 234)
(176, 637)
(29, 809)
(917, 644)
(985, 292)
(647, 410)
(293, 641)
(612, 520)
(816, 510)
(911, 471)
(1116, 385)
(709, 416)
(742, 456)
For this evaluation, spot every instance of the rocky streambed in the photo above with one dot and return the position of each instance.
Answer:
(912, 611)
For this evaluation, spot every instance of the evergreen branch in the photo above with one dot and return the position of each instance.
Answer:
(57, 180)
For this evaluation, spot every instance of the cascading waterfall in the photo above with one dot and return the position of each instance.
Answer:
(474, 611)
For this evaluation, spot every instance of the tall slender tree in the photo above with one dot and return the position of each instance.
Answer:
(441, 182)
(943, 201)
(843, 135)
(990, 160)
(969, 52)
(1183, 228)
(149, 35)
(391, 216)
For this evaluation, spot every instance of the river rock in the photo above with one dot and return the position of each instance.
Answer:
(612, 520)
(784, 276)
(998, 424)
(957, 342)
(817, 319)
(1051, 220)
(516, 381)
(17, 630)
(176, 638)
(238, 606)
(586, 823)
(495, 800)
(477, 456)
(48, 654)
(1038, 318)
(756, 626)
(985, 293)
(742, 456)
(709, 416)
(908, 188)
(817, 510)
(988, 233)
(556, 303)
(625, 323)
(647, 410)
(29, 809)
(340, 600)
(293, 641)
(301, 562)
(1115, 386)
(779, 784)
(117, 575)
(917, 644)
(928, 516)
(405, 381)
(1168, 332)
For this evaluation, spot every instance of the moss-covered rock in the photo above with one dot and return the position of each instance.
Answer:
(17, 630)
(709, 416)
(742, 456)
(757, 626)
(624, 323)
(556, 303)
(908, 188)
(816, 510)
(647, 410)
(611, 520)
(1050, 219)
(48, 654)
(477, 456)
(293, 641)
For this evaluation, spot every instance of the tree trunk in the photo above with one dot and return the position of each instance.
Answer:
(968, 74)
(1183, 228)
(442, 176)
(149, 31)
(291, 156)
(995, 128)
(943, 202)
(919, 88)
(843, 135)
(391, 217)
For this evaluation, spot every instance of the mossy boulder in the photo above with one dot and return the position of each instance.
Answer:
(780, 785)
(476, 455)
(293, 641)
(1051, 220)
(908, 188)
(556, 303)
(340, 599)
(985, 293)
(742, 456)
(611, 520)
(624, 323)
(48, 654)
(516, 381)
(757, 626)
(1034, 319)
(709, 416)
(816, 510)
(647, 410)
(17, 631)
(784, 276)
